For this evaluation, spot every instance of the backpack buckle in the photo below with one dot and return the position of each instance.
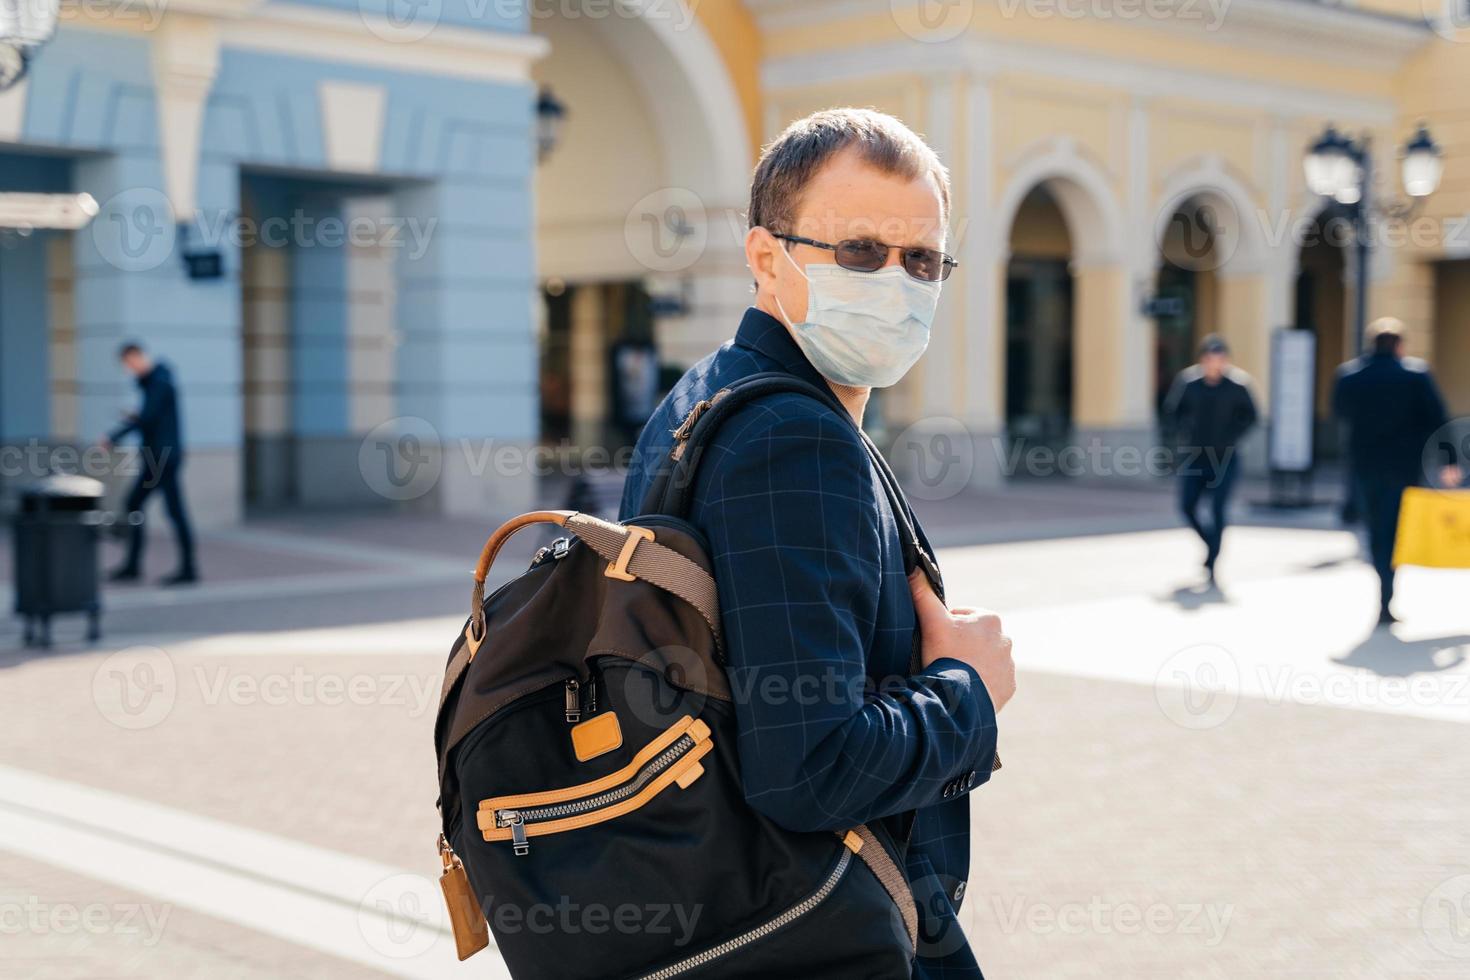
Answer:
(619, 569)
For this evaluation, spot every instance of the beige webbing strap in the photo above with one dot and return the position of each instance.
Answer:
(652, 562)
(864, 843)
(454, 671)
(634, 552)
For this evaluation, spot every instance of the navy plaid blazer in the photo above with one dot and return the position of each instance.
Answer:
(819, 629)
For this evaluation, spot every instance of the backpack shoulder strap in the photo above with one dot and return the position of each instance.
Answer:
(672, 490)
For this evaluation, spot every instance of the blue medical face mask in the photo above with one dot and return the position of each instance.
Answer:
(863, 329)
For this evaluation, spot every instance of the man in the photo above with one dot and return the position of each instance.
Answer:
(1391, 408)
(161, 462)
(848, 216)
(1210, 408)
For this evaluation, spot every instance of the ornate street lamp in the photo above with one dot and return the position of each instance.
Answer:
(25, 25)
(1341, 168)
(550, 112)
(1329, 164)
(1422, 165)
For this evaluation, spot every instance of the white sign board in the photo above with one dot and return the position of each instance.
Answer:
(1293, 401)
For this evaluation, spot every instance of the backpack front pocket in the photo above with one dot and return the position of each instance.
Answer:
(671, 758)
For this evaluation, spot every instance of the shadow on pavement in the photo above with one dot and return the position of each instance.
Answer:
(1193, 597)
(1387, 655)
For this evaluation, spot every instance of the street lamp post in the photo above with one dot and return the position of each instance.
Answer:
(1341, 168)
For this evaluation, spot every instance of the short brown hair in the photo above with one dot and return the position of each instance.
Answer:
(1385, 334)
(790, 161)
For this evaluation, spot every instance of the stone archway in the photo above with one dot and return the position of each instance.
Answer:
(1105, 352)
(638, 209)
(1208, 225)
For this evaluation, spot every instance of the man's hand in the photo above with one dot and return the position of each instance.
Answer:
(969, 635)
(1451, 476)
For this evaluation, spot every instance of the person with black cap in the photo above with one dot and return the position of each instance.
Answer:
(1392, 410)
(1209, 409)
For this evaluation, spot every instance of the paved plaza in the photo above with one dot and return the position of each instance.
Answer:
(1246, 781)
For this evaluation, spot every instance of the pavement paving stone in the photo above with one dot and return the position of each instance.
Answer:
(1287, 841)
(56, 925)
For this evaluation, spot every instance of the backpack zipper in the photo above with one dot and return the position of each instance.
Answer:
(516, 820)
(572, 701)
(673, 757)
(764, 929)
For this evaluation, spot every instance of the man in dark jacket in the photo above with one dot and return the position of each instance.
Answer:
(161, 462)
(1391, 408)
(848, 216)
(1209, 409)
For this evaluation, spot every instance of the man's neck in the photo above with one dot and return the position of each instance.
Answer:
(855, 400)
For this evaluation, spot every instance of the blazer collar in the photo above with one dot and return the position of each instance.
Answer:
(761, 332)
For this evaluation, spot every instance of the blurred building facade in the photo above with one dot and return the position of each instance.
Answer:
(1105, 157)
(365, 183)
(1127, 178)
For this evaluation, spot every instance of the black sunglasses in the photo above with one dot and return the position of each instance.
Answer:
(866, 255)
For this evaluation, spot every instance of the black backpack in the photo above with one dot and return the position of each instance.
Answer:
(589, 785)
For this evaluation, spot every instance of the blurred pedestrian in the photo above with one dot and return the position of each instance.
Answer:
(1391, 407)
(159, 430)
(1209, 409)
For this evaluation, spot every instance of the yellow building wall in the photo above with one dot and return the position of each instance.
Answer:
(1121, 40)
(1258, 148)
(738, 39)
(1435, 88)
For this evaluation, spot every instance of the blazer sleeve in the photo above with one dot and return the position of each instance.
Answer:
(1433, 417)
(790, 504)
(157, 399)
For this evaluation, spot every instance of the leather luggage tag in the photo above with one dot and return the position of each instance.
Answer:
(471, 932)
(596, 736)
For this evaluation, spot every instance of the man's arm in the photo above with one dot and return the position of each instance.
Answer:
(154, 397)
(1174, 410)
(1433, 418)
(1249, 415)
(1341, 406)
(129, 425)
(788, 501)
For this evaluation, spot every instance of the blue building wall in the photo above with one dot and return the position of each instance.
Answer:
(457, 155)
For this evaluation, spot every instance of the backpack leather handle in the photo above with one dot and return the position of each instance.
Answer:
(503, 533)
(474, 633)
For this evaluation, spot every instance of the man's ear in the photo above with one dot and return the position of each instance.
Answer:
(761, 257)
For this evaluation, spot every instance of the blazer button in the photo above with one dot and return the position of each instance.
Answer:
(970, 779)
(959, 892)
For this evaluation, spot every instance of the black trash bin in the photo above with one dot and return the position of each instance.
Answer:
(55, 538)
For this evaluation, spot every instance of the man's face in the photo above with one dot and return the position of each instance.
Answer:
(1214, 365)
(135, 363)
(847, 198)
